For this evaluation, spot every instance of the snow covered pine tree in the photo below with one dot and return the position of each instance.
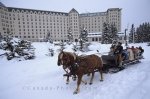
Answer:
(83, 38)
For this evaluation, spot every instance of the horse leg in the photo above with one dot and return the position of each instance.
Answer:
(88, 74)
(84, 82)
(78, 84)
(91, 81)
(67, 81)
(120, 60)
(117, 60)
(74, 77)
(101, 74)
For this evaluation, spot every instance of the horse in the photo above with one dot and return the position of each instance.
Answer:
(67, 59)
(85, 65)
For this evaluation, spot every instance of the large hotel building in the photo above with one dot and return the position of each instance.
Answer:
(34, 25)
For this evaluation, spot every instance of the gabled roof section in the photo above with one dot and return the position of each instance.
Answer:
(73, 11)
(52, 12)
(113, 9)
(2, 5)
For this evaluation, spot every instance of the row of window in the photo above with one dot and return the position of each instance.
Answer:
(40, 20)
(40, 23)
(30, 36)
(91, 18)
(73, 18)
(65, 31)
(73, 21)
(35, 26)
(92, 21)
(50, 17)
(4, 16)
(96, 39)
(92, 24)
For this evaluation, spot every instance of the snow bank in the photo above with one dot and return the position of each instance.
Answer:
(41, 78)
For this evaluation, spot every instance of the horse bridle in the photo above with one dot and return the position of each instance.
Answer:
(62, 63)
(68, 59)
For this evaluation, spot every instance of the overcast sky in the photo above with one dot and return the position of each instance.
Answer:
(133, 11)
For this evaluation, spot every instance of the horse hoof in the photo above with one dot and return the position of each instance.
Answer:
(86, 83)
(88, 74)
(90, 83)
(101, 80)
(74, 79)
(75, 92)
(67, 83)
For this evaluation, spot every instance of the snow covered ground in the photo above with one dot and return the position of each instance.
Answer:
(41, 78)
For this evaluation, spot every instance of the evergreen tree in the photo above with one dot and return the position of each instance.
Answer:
(139, 35)
(84, 35)
(143, 33)
(48, 38)
(8, 36)
(109, 33)
(70, 36)
(106, 34)
(113, 32)
(136, 35)
(148, 32)
(62, 45)
(132, 34)
(83, 38)
(1, 37)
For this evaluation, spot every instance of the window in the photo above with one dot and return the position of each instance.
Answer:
(99, 39)
(96, 39)
(92, 39)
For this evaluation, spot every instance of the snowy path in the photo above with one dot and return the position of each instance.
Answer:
(41, 78)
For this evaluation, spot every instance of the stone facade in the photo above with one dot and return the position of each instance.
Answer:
(34, 25)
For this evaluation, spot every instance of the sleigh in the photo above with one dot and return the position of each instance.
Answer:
(109, 64)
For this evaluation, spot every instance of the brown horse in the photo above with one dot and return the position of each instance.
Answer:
(67, 60)
(88, 64)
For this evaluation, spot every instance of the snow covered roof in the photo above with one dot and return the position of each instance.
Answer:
(122, 34)
(113, 9)
(96, 34)
(93, 14)
(99, 34)
(2, 5)
(73, 10)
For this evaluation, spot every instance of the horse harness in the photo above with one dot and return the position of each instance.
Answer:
(72, 67)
